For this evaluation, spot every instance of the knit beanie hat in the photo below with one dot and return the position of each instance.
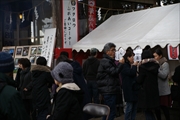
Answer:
(6, 62)
(63, 73)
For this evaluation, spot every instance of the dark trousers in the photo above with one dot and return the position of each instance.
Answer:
(149, 115)
(93, 90)
(165, 111)
(110, 100)
(28, 106)
(40, 115)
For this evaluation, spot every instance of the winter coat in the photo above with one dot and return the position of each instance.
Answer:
(67, 103)
(11, 104)
(90, 68)
(148, 79)
(128, 75)
(79, 80)
(108, 76)
(41, 81)
(25, 79)
(176, 78)
(163, 82)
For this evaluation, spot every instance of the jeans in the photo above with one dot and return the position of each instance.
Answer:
(131, 109)
(110, 100)
(149, 115)
(93, 90)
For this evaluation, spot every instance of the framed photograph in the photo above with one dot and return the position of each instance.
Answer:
(39, 49)
(32, 59)
(16, 61)
(11, 51)
(25, 51)
(33, 50)
(5, 50)
(18, 51)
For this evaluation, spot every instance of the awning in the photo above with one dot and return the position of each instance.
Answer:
(155, 26)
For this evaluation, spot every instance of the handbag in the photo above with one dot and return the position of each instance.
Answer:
(175, 95)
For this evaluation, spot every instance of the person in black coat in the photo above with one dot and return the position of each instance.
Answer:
(69, 96)
(148, 98)
(176, 79)
(25, 79)
(128, 74)
(78, 79)
(40, 84)
(108, 78)
(90, 68)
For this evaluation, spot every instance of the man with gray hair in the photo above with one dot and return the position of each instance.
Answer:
(108, 78)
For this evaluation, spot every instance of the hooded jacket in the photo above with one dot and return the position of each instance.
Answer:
(68, 103)
(148, 79)
(90, 68)
(41, 81)
(11, 104)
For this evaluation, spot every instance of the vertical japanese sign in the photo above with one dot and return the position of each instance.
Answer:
(70, 22)
(173, 52)
(48, 45)
(91, 15)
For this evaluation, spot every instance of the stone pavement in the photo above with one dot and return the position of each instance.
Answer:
(174, 113)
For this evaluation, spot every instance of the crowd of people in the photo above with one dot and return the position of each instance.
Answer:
(41, 93)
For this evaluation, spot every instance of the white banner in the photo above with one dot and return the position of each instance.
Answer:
(48, 45)
(70, 22)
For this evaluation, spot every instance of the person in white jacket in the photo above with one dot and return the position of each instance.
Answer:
(163, 85)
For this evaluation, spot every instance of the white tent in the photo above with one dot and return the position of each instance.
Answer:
(156, 26)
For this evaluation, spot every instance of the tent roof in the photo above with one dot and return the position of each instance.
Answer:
(156, 26)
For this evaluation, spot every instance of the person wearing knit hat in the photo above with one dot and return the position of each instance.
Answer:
(10, 96)
(69, 96)
(6, 63)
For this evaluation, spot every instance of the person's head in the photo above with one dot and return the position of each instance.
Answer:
(62, 58)
(158, 54)
(129, 56)
(147, 47)
(129, 49)
(6, 63)
(24, 63)
(62, 73)
(41, 61)
(93, 52)
(65, 54)
(146, 54)
(110, 49)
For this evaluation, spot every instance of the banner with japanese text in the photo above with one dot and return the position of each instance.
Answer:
(49, 45)
(70, 22)
(91, 15)
(173, 52)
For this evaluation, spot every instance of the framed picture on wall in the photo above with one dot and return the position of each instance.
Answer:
(32, 59)
(18, 51)
(16, 61)
(25, 51)
(11, 51)
(33, 50)
(39, 49)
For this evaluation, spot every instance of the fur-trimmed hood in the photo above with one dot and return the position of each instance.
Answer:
(40, 68)
(70, 86)
(162, 60)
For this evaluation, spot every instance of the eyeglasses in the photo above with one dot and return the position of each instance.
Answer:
(113, 50)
